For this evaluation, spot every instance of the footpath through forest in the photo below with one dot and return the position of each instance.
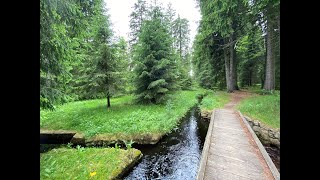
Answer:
(231, 150)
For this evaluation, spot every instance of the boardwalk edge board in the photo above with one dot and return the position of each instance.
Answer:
(264, 153)
(204, 154)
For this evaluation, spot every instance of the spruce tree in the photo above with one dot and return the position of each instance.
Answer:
(155, 70)
(104, 78)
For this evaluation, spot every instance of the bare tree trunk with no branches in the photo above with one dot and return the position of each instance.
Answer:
(270, 71)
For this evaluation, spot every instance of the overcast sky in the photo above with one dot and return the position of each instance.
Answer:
(120, 10)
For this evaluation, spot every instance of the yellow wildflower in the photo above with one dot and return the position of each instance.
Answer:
(93, 174)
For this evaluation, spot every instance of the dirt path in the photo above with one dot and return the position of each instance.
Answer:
(229, 117)
(231, 151)
(236, 97)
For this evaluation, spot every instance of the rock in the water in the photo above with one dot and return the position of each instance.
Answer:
(206, 115)
(78, 139)
(271, 133)
(256, 129)
(264, 134)
(275, 142)
(256, 123)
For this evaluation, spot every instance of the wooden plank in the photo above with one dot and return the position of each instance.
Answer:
(206, 147)
(263, 151)
(249, 165)
(216, 174)
(229, 151)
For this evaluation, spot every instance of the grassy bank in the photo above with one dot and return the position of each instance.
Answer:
(124, 117)
(85, 163)
(214, 100)
(265, 108)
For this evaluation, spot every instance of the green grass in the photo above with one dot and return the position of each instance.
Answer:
(67, 163)
(92, 117)
(254, 89)
(214, 100)
(257, 90)
(265, 108)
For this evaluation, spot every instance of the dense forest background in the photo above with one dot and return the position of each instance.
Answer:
(237, 46)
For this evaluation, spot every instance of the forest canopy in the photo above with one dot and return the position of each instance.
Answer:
(236, 46)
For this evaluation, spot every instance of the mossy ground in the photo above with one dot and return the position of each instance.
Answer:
(214, 100)
(92, 117)
(86, 163)
(265, 108)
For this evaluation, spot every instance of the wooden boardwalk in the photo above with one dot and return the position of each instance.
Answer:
(232, 150)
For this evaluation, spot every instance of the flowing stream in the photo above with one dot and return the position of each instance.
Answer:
(177, 155)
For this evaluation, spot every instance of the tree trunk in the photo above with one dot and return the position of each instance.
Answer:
(233, 69)
(227, 66)
(270, 72)
(235, 65)
(108, 98)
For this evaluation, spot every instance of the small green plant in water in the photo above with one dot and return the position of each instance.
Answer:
(116, 146)
(128, 144)
(79, 148)
(69, 145)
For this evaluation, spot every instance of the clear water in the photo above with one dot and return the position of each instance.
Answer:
(177, 155)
